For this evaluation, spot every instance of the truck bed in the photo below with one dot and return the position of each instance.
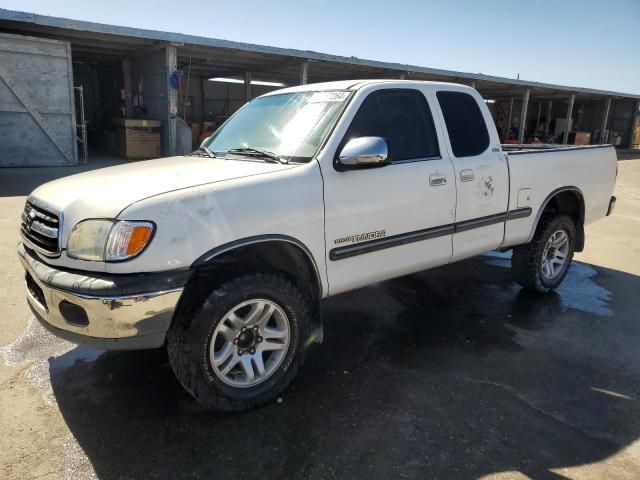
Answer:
(537, 172)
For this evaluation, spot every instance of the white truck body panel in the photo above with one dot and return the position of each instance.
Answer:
(485, 194)
(285, 202)
(396, 200)
(105, 193)
(592, 170)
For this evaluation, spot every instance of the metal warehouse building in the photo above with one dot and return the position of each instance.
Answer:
(71, 88)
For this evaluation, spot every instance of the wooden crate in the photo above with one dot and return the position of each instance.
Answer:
(137, 139)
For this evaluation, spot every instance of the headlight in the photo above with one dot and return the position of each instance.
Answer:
(88, 239)
(108, 240)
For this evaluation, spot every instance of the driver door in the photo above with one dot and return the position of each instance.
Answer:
(389, 221)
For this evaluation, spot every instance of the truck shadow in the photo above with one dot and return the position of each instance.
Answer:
(451, 373)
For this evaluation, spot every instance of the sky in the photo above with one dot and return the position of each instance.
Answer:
(581, 43)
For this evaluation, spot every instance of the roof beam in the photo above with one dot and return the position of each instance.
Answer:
(56, 25)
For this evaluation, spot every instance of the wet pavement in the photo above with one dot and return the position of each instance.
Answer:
(453, 373)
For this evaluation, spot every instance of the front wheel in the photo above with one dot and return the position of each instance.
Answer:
(244, 345)
(543, 263)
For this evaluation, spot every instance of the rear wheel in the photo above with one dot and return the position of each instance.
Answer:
(542, 264)
(244, 345)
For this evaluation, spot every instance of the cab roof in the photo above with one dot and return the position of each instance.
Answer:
(355, 85)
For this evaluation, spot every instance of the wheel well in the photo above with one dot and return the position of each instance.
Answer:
(278, 256)
(570, 203)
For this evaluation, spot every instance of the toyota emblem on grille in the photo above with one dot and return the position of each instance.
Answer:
(30, 217)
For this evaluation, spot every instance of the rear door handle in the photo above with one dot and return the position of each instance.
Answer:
(467, 175)
(437, 179)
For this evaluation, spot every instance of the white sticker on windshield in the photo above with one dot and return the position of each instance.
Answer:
(323, 97)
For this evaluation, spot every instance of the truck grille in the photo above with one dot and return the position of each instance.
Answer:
(40, 227)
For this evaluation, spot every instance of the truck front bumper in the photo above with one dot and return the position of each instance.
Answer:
(111, 312)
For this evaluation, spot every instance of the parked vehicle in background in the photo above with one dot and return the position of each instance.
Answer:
(306, 192)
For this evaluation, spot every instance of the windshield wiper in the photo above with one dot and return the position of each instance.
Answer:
(200, 150)
(254, 152)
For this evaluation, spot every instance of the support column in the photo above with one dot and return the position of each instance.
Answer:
(171, 62)
(509, 118)
(401, 76)
(605, 117)
(473, 84)
(128, 86)
(635, 120)
(247, 87)
(547, 121)
(523, 115)
(304, 73)
(203, 94)
(565, 138)
(539, 112)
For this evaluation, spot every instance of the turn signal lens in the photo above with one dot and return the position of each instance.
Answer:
(138, 239)
(127, 239)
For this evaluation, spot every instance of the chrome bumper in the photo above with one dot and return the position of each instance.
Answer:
(127, 321)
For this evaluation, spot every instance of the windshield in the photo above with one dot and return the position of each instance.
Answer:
(291, 126)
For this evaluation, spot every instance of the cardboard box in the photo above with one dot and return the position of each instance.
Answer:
(579, 138)
(137, 139)
(136, 122)
(636, 135)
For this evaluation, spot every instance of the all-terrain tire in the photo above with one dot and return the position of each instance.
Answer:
(526, 262)
(189, 339)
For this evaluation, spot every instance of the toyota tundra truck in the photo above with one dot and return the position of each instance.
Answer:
(224, 255)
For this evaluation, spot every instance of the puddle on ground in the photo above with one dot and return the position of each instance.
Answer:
(47, 353)
(44, 351)
(577, 291)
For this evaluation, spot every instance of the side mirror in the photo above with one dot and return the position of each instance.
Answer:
(364, 152)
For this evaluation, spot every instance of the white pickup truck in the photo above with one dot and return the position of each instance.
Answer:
(224, 255)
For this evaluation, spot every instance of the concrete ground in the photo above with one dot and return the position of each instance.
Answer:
(451, 373)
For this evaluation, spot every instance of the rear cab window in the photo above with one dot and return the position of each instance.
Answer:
(403, 118)
(465, 123)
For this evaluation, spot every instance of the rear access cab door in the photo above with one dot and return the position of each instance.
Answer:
(481, 170)
(395, 219)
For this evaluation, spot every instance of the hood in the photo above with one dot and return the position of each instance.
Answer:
(104, 193)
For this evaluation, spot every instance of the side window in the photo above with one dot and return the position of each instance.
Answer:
(466, 126)
(403, 118)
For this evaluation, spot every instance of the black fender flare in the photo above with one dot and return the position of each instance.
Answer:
(211, 255)
(580, 227)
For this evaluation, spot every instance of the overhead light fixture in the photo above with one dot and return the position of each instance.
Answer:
(267, 84)
(489, 101)
(253, 82)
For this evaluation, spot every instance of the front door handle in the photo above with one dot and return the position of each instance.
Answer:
(437, 179)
